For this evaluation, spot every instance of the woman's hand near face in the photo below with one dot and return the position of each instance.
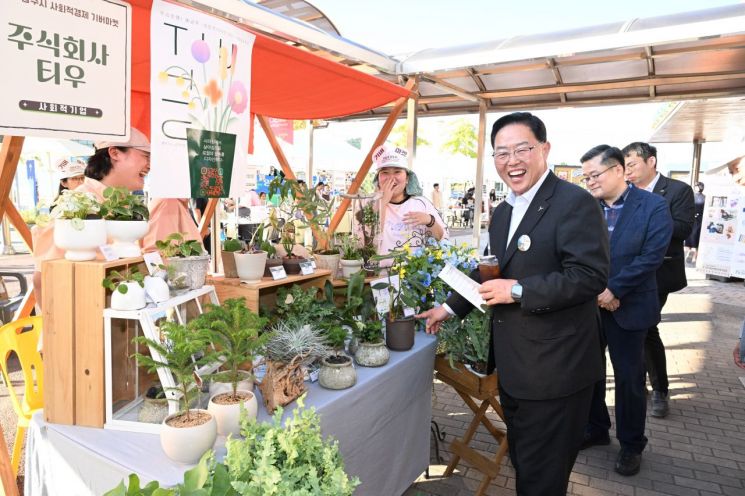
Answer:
(387, 185)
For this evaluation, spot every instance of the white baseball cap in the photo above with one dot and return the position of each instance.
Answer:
(385, 156)
(136, 140)
(67, 169)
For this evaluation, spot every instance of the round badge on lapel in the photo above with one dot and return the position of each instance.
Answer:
(523, 242)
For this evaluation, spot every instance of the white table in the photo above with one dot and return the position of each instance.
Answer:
(382, 424)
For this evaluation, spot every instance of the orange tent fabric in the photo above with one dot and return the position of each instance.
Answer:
(286, 82)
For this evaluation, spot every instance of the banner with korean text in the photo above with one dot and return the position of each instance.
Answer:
(67, 68)
(200, 93)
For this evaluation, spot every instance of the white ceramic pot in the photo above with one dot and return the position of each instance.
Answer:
(372, 354)
(329, 262)
(124, 235)
(250, 266)
(157, 289)
(80, 244)
(188, 444)
(133, 299)
(228, 417)
(337, 375)
(247, 384)
(349, 267)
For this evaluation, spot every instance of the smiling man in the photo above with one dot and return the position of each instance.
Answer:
(552, 246)
(639, 227)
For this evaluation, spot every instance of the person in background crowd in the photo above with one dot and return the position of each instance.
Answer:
(552, 245)
(115, 164)
(262, 198)
(467, 202)
(437, 197)
(492, 202)
(691, 242)
(405, 215)
(641, 170)
(326, 195)
(639, 228)
(71, 174)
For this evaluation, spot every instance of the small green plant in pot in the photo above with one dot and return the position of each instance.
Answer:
(251, 262)
(336, 369)
(185, 435)
(78, 226)
(399, 327)
(126, 220)
(351, 257)
(128, 289)
(466, 341)
(359, 313)
(229, 248)
(186, 257)
(236, 332)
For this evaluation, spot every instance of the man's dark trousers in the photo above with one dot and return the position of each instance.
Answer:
(654, 352)
(627, 356)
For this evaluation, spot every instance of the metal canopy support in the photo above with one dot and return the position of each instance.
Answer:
(696, 165)
(479, 186)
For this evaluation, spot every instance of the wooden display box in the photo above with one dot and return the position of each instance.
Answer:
(73, 302)
(264, 293)
(463, 379)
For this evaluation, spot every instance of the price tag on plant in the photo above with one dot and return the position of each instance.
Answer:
(153, 261)
(408, 312)
(278, 272)
(108, 253)
(307, 268)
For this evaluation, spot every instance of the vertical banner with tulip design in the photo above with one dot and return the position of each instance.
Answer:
(200, 93)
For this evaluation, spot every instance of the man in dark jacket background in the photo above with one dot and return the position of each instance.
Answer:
(641, 170)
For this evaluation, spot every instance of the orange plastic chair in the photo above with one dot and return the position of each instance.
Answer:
(22, 337)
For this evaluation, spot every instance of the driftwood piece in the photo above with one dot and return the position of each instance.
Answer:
(282, 384)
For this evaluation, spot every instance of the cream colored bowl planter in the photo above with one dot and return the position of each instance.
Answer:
(337, 372)
(133, 299)
(79, 244)
(227, 411)
(250, 266)
(187, 444)
(349, 267)
(124, 235)
(245, 384)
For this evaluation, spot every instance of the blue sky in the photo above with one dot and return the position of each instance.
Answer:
(401, 26)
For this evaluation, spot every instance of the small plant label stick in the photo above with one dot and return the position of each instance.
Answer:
(307, 268)
(278, 273)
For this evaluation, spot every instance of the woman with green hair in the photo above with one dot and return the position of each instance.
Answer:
(406, 215)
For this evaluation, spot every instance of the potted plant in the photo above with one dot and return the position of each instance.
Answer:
(368, 218)
(128, 289)
(126, 220)
(186, 435)
(229, 249)
(351, 258)
(235, 331)
(371, 349)
(154, 405)
(336, 371)
(251, 262)
(78, 226)
(186, 257)
(289, 350)
(290, 261)
(272, 259)
(399, 328)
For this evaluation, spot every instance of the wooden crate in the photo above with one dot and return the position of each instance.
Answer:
(73, 301)
(463, 379)
(264, 293)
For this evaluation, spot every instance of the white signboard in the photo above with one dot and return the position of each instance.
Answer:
(200, 93)
(722, 243)
(67, 68)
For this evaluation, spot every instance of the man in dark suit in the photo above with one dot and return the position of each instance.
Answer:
(552, 246)
(641, 170)
(639, 227)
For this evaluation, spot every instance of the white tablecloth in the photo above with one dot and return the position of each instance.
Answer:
(382, 424)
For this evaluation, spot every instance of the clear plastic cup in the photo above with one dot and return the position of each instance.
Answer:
(489, 268)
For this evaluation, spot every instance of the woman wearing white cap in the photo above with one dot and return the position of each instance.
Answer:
(115, 164)
(406, 216)
(70, 174)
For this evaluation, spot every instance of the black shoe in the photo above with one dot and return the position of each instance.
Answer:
(628, 462)
(660, 407)
(590, 440)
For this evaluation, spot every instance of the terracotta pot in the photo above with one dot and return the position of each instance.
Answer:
(399, 334)
(271, 262)
(372, 354)
(188, 444)
(292, 265)
(228, 416)
(124, 235)
(337, 375)
(228, 264)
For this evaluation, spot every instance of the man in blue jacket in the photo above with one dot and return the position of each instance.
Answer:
(639, 228)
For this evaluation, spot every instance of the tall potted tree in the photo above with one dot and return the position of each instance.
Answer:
(186, 435)
(236, 332)
(126, 220)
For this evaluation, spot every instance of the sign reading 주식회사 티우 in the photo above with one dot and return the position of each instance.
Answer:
(200, 94)
(67, 68)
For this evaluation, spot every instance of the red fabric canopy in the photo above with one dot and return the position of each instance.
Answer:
(286, 82)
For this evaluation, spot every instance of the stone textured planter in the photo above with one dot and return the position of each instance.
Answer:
(337, 375)
(188, 444)
(194, 269)
(329, 262)
(372, 354)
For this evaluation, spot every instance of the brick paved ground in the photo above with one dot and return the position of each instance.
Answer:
(698, 450)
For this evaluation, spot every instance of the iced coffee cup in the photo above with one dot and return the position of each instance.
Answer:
(489, 268)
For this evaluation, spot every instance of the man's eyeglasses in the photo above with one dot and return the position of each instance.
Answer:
(521, 154)
(596, 175)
